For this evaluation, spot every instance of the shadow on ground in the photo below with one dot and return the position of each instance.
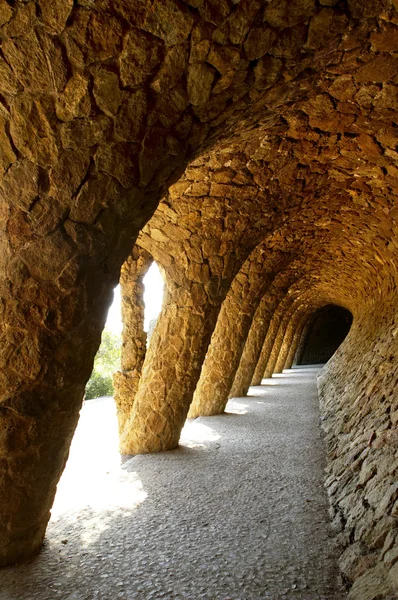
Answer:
(237, 512)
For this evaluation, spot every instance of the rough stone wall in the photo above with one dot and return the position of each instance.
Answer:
(134, 338)
(360, 410)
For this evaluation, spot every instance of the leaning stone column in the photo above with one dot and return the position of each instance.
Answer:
(268, 345)
(171, 370)
(134, 337)
(266, 350)
(227, 342)
(286, 316)
(55, 293)
(291, 330)
(253, 345)
(295, 342)
(301, 343)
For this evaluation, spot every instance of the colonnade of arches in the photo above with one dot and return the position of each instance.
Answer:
(250, 149)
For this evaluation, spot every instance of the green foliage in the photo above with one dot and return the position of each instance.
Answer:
(98, 385)
(106, 362)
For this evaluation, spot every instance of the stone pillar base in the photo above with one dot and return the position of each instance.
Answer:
(126, 385)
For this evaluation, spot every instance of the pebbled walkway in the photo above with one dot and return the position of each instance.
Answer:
(238, 512)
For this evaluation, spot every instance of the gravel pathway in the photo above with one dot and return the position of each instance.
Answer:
(238, 512)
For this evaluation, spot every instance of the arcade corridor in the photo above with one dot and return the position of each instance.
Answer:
(250, 149)
(238, 512)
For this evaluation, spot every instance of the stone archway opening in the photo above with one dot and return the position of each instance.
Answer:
(94, 449)
(108, 357)
(328, 328)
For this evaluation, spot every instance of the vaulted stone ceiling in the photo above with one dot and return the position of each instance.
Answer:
(260, 139)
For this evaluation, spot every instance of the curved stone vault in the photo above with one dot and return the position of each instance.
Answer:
(250, 148)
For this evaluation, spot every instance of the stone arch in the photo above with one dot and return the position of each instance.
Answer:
(329, 327)
(233, 324)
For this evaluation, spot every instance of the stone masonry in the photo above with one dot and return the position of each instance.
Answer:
(200, 134)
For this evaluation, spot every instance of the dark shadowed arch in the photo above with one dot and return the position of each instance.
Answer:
(329, 327)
